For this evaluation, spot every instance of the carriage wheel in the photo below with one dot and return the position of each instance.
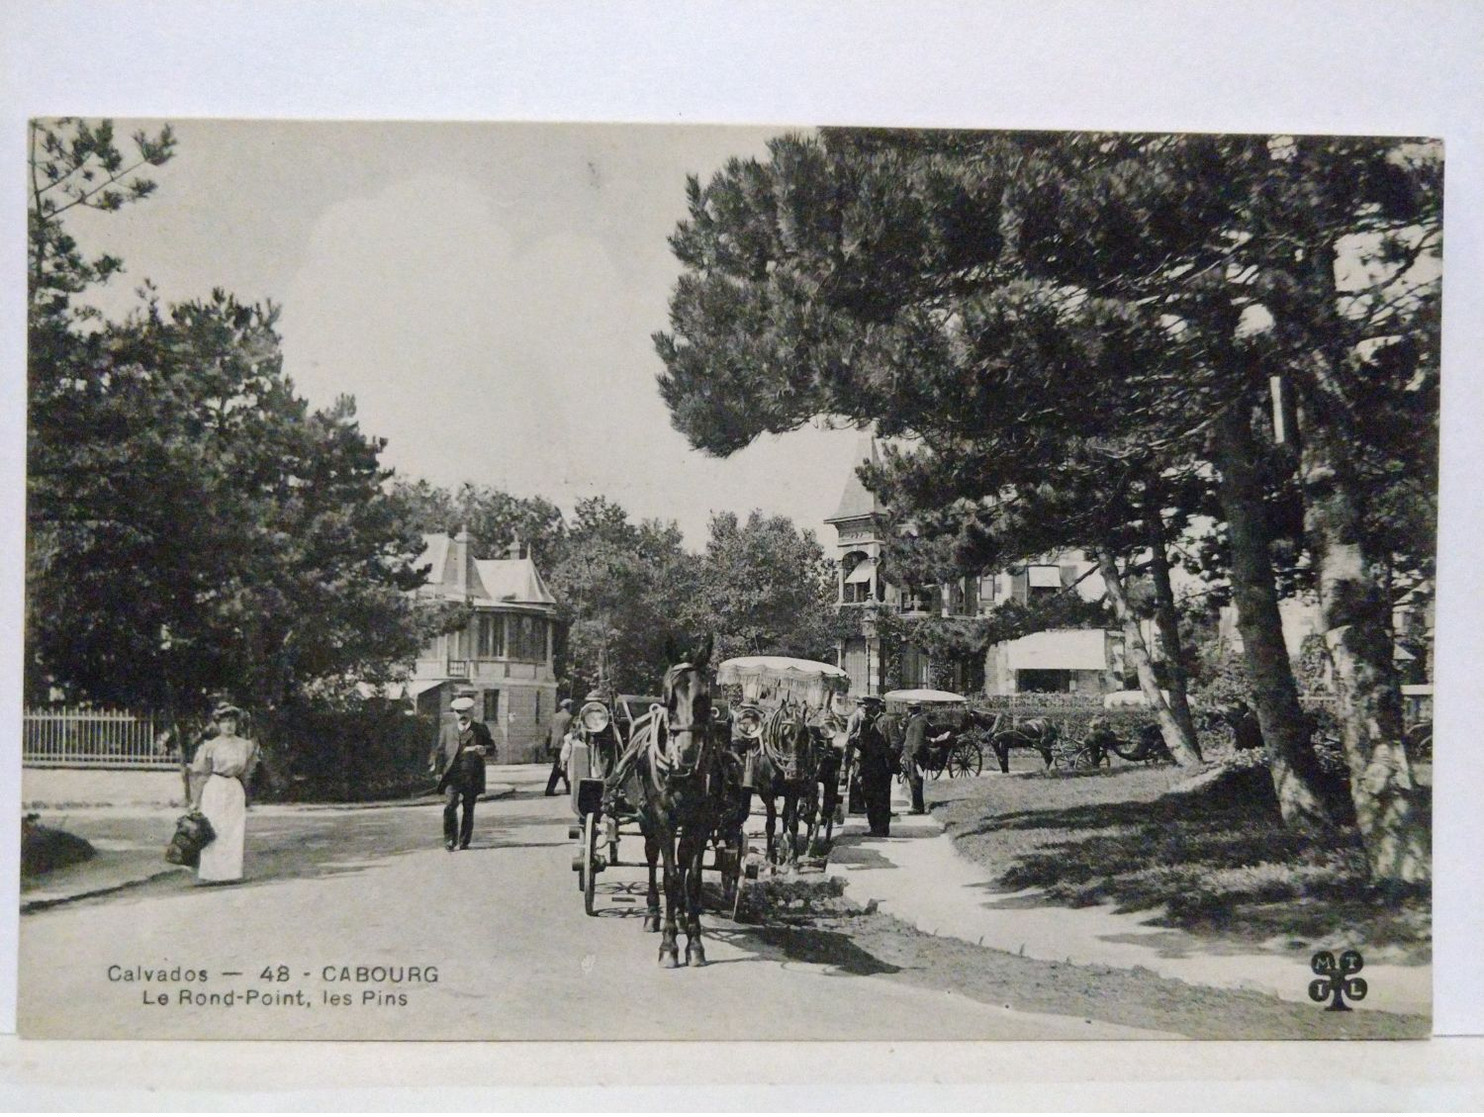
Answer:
(1089, 756)
(589, 872)
(965, 760)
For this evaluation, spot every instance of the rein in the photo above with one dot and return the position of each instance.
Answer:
(661, 728)
(787, 765)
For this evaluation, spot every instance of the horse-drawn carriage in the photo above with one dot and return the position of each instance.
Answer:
(659, 769)
(949, 748)
(786, 713)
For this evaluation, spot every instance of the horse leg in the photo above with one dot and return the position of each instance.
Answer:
(831, 796)
(771, 814)
(1043, 747)
(1002, 754)
(652, 855)
(669, 950)
(691, 853)
(791, 824)
(811, 819)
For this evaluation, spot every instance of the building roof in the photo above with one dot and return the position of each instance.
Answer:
(858, 501)
(455, 574)
(514, 579)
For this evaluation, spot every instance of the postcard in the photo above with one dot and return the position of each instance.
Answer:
(794, 582)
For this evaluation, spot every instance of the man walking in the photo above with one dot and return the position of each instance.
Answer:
(561, 722)
(876, 763)
(458, 762)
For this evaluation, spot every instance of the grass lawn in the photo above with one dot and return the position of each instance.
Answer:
(1216, 862)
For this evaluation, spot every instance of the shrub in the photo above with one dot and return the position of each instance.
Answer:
(371, 751)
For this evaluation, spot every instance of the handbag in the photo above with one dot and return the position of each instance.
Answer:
(193, 833)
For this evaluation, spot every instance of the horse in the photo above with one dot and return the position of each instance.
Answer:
(1040, 734)
(790, 758)
(680, 774)
(1147, 747)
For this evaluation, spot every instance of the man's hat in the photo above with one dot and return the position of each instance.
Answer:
(594, 696)
(871, 699)
(459, 705)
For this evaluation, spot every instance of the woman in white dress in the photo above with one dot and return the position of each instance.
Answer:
(220, 770)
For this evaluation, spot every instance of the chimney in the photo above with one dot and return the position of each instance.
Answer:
(513, 551)
(462, 562)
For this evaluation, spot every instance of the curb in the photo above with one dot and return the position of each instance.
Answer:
(499, 791)
(41, 904)
(44, 901)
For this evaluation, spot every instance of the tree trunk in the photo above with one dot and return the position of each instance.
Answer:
(1180, 742)
(1169, 630)
(1285, 729)
(1356, 617)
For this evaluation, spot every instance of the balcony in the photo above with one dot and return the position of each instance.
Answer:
(458, 668)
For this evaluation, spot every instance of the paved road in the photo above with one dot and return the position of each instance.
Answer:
(332, 893)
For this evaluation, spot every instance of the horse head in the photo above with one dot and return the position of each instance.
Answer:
(686, 694)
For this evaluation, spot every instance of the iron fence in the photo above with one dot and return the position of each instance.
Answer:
(78, 738)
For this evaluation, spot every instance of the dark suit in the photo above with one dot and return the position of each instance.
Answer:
(914, 752)
(459, 763)
(877, 763)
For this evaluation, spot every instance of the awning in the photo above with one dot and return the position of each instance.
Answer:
(1042, 577)
(1060, 650)
(862, 572)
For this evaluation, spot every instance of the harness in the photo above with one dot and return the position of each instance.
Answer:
(788, 763)
(662, 732)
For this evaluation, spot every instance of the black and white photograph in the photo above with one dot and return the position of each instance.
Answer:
(495, 580)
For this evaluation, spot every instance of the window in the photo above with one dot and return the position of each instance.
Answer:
(527, 639)
(491, 636)
(491, 705)
(1043, 581)
(860, 574)
(458, 644)
(538, 707)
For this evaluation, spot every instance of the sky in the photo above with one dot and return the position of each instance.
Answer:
(486, 292)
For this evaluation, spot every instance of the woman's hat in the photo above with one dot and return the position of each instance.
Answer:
(225, 710)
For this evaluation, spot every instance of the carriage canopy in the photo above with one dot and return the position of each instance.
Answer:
(771, 680)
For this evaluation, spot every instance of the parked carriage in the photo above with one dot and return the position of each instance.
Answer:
(786, 713)
(947, 713)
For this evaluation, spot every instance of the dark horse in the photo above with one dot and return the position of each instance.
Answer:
(1040, 734)
(791, 764)
(680, 772)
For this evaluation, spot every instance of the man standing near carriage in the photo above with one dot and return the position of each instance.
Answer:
(854, 800)
(915, 752)
(876, 763)
(458, 762)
